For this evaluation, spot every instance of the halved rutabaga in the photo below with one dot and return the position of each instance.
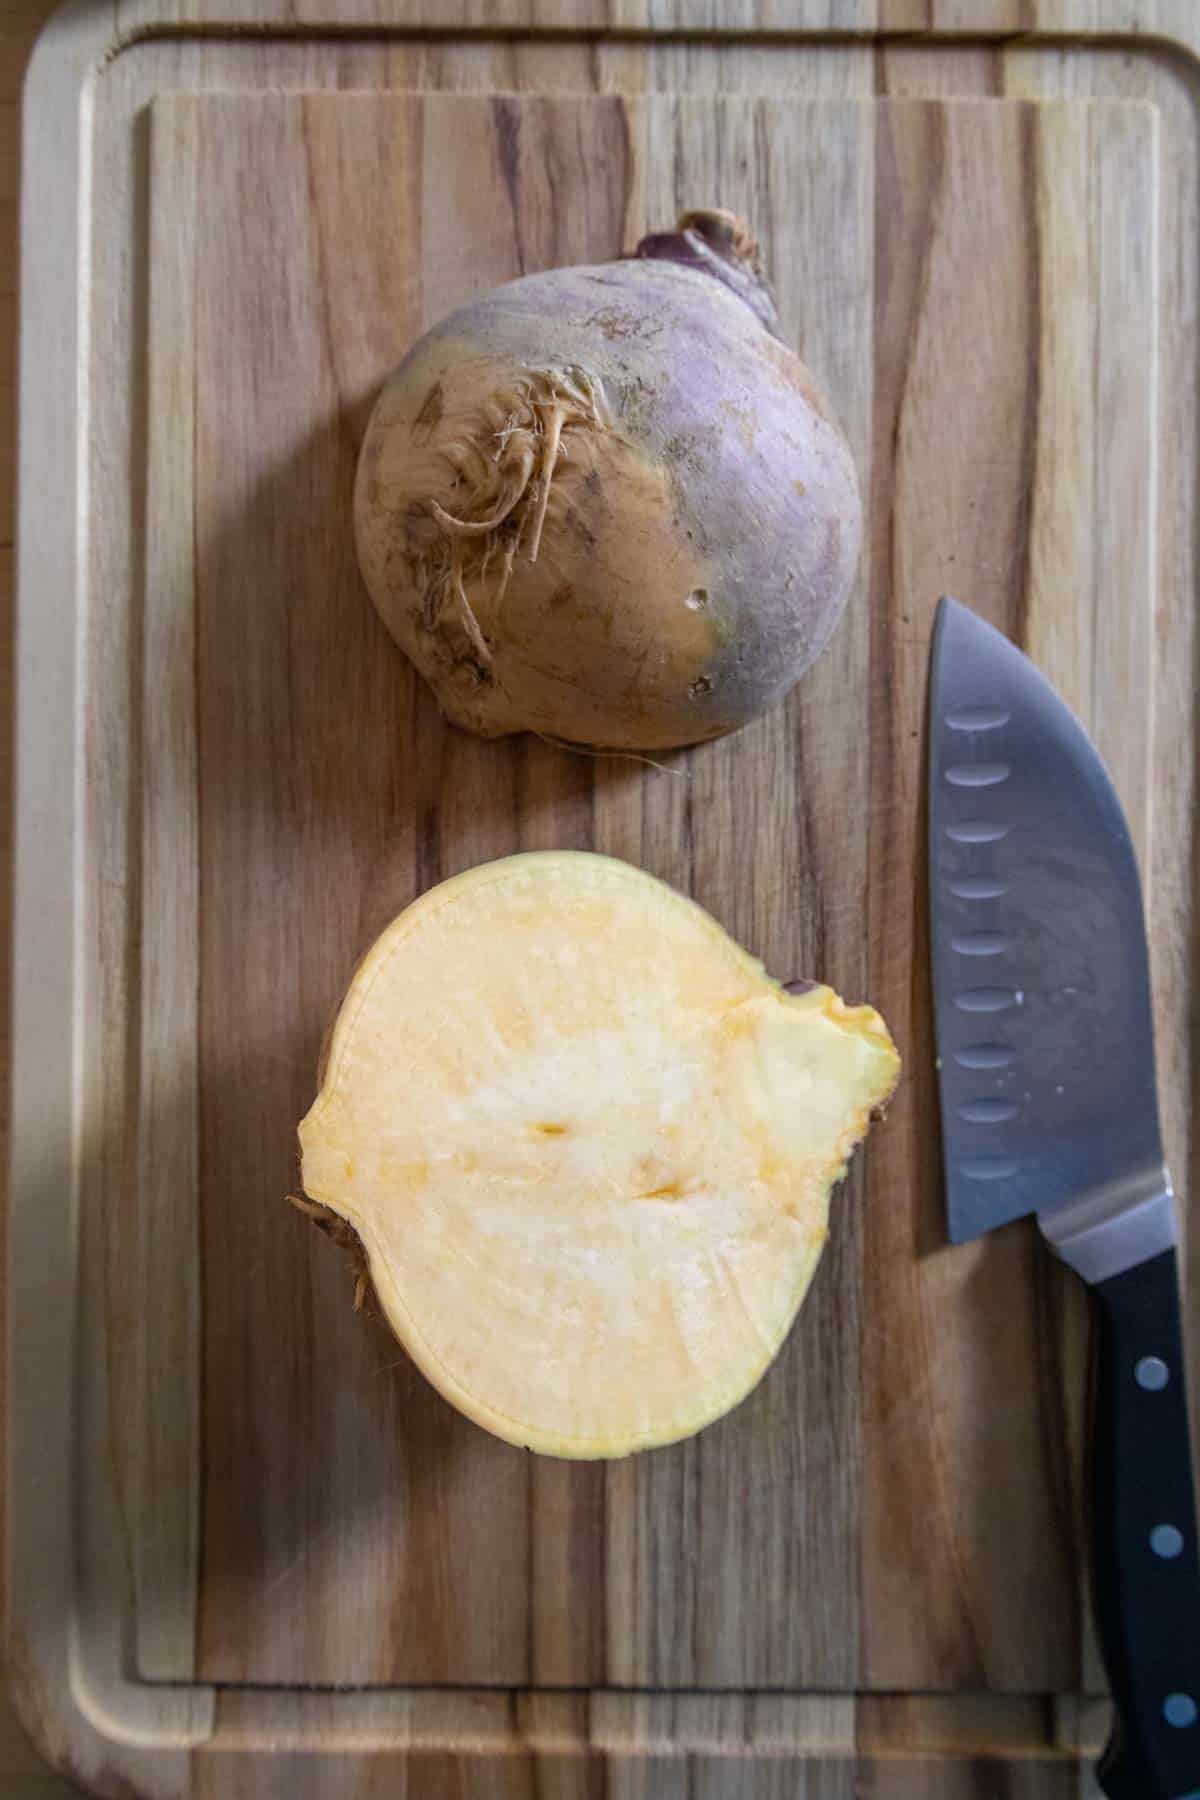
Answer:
(587, 1144)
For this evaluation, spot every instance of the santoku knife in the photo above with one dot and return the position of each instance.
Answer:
(1046, 1071)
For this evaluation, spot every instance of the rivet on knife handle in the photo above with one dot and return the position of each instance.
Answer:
(1146, 1577)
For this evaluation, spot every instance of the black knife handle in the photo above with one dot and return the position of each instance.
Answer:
(1145, 1567)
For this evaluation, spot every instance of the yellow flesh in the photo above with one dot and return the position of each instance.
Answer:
(588, 1146)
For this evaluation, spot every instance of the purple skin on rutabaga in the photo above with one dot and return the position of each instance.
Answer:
(607, 504)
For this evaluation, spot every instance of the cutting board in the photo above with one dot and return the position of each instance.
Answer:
(250, 1550)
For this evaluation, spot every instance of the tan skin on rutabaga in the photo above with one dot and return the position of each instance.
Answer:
(607, 504)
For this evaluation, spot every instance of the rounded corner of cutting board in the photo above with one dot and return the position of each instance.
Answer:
(75, 38)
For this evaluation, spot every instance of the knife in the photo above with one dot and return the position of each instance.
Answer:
(1046, 1075)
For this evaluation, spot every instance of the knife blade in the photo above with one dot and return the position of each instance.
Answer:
(1049, 1106)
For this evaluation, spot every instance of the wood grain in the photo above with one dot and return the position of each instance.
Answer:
(313, 833)
(977, 412)
(682, 1571)
(302, 812)
(23, 1773)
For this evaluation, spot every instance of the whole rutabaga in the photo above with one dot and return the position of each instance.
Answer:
(607, 504)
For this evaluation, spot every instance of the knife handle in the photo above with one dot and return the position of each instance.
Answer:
(1145, 1567)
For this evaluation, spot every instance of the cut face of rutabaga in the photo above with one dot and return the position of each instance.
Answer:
(587, 1145)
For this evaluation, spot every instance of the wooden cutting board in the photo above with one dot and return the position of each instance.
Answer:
(289, 1565)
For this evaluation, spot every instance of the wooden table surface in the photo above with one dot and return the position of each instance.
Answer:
(22, 1774)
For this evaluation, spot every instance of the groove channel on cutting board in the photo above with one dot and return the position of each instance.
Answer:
(977, 775)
